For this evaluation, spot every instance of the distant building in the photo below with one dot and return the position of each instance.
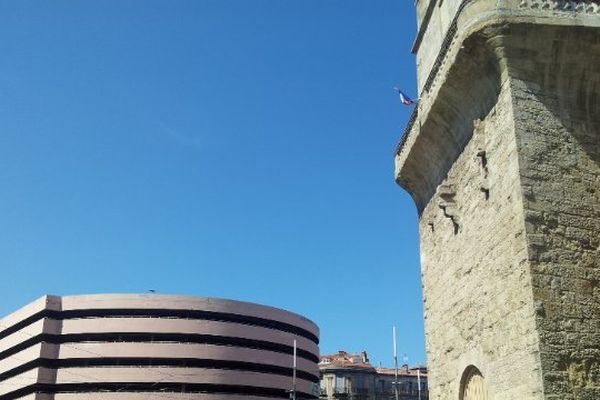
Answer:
(351, 377)
(152, 347)
(408, 383)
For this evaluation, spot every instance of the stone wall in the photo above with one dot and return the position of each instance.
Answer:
(477, 287)
(556, 91)
(434, 18)
(503, 162)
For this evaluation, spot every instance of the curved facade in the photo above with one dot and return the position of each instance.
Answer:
(117, 347)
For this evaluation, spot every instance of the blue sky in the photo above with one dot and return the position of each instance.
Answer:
(229, 148)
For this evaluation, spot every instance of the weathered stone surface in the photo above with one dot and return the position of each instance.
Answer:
(503, 161)
(558, 136)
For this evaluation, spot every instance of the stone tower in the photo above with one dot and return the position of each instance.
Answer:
(502, 158)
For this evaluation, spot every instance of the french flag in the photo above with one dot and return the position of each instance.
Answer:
(404, 99)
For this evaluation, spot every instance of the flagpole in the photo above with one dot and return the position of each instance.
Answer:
(294, 373)
(419, 381)
(395, 363)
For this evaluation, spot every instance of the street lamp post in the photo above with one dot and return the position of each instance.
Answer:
(395, 363)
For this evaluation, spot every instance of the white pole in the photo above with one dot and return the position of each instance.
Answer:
(395, 363)
(294, 374)
(394, 341)
(419, 381)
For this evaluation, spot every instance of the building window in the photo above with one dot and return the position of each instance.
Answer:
(340, 384)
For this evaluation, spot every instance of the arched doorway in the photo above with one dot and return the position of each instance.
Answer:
(473, 385)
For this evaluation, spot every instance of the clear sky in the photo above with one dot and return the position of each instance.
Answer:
(228, 148)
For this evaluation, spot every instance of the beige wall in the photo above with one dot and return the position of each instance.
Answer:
(556, 92)
(511, 280)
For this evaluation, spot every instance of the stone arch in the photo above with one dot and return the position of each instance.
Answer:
(472, 385)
